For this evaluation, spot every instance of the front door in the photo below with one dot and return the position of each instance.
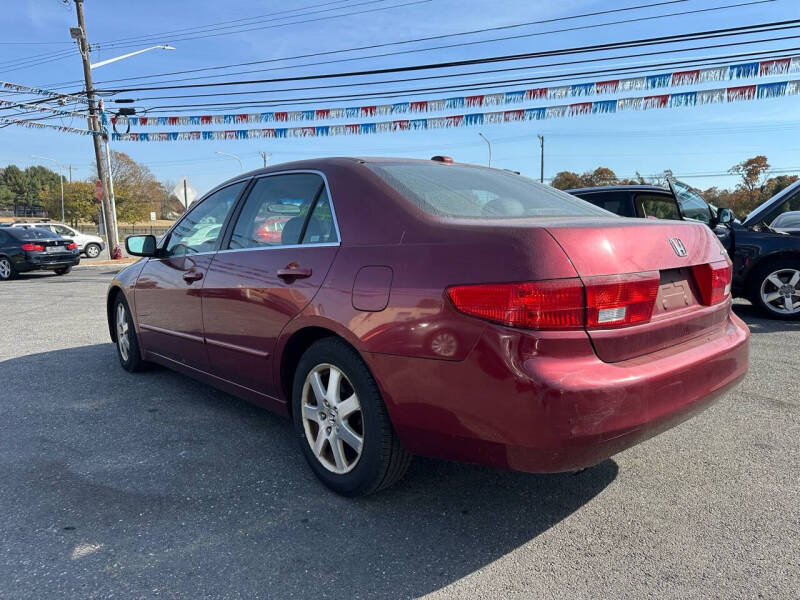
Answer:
(168, 303)
(276, 258)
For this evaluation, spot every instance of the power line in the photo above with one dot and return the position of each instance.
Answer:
(466, 85)
(200, 27)
(445, 46)
(359, 12)
(388, 44)
(709, 34)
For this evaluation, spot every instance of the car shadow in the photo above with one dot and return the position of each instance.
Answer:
(758, 323)
(152, 480)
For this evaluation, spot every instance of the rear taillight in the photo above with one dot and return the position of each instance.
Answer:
(594, 303)
(72, 246)
(28, 247)
(620, 300)
(555, 304)
(713, 281)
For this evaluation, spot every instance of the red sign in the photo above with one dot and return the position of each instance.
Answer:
(99, 192)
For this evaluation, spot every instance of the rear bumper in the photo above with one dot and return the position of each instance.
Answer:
(36, 263)
(505, 407)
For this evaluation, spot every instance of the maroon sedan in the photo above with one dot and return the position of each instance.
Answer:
(425, 307)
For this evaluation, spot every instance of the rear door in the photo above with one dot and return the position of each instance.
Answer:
(168, 302)
(274, 260)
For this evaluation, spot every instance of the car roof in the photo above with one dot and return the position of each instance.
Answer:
(321, 164)
(620, 188)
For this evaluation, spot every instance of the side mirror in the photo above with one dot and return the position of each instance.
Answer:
(140, 245)
(725, 215)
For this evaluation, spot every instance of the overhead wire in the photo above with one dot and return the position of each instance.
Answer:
(395, 43)
(636, 43)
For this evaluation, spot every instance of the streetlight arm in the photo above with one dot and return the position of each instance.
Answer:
(241, 164)
(116, 58)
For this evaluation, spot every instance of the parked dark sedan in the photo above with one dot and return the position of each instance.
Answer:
(766, 257)
(425, 307)
(34, 249)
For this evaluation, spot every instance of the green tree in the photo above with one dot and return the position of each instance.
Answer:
(80, 205)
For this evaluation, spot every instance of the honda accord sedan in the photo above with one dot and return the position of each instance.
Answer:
(426, 307)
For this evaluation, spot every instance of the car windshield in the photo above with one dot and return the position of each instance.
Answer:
(469, 191)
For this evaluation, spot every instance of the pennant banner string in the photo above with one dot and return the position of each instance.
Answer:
(16, 87)
(42, 108)
(38, 125)
(764, 68)
(682, 99)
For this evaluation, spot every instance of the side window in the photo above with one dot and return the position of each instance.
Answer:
(200, 228)
(615, 202)
(659, 207)
(276, 211)
(321, 228)
(61, 230)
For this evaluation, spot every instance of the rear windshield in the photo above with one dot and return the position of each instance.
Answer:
(31, 233)
(468, 191)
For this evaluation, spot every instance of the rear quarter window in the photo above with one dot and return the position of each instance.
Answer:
(464, 191)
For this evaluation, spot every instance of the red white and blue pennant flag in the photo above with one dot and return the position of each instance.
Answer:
(764, 68)
(675, 100)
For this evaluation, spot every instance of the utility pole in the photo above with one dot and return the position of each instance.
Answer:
(70, 173)
(265, 156)
(541, 164)
(108, 218)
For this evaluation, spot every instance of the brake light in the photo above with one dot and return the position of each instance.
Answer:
(555, 304)
(72, 246)
(28, 247)
(594, 303)
(714, 281)
(619, 300)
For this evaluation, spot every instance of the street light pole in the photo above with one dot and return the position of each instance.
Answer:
(241, 164)
(61, 180)
(108, 218)
(488, 143)
(541, 163)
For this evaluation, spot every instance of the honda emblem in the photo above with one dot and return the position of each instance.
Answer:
(678, 246)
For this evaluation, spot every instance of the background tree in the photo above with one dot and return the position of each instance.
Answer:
(566, 180)
(80, 205)
(136, 190)
(747, 194)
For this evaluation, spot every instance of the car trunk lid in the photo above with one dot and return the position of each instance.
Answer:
(671, 249)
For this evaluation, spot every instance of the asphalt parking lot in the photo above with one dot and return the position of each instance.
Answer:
(155, 486)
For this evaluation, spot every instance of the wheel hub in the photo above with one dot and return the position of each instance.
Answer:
(786, 290)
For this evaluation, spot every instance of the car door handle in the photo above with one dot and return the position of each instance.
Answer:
(192, 276)
(292, 273)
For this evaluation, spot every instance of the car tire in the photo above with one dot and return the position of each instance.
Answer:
(7, 271)
(63, 270)
(126, 341)
(92, 250)
(771, 298)
(350, 471)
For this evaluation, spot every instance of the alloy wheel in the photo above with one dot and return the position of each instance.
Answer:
(332, 419)
(5, 268)
(780, 291)
(123, 340)
(92, 251)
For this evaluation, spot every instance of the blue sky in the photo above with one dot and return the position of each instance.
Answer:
(689, 141)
